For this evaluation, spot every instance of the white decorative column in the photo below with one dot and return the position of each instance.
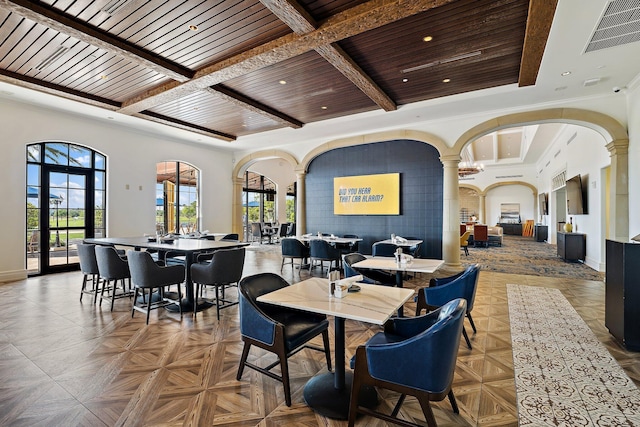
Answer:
(301, 204)
(482, 199)
(451, 211)
(236, 208)
(619, 182)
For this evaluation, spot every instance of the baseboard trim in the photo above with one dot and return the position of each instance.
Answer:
(12, 276)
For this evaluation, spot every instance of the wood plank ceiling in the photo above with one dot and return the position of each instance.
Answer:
(238, 67)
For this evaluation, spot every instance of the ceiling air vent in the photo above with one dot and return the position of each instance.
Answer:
(115, 6)
(443, 61)
(60, 50)
(619, 25)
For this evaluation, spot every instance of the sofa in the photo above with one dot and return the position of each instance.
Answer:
(495, 236)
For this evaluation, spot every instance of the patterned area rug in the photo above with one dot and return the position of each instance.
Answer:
(564, 375)
(523, 255)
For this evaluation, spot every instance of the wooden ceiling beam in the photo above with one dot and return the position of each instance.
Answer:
(364, 17)
(159, 118)
(246, 103)
(65, 24)
(57, 90)
(296, 17)
(539, 21)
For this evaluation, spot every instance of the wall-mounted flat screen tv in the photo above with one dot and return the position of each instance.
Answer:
(544, 204)
(576, 196)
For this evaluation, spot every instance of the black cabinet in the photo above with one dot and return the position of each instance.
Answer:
(622, 293)
(572, 246)
(513, 229)
(541, 233)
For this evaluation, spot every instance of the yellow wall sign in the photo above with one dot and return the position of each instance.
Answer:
(367, 194)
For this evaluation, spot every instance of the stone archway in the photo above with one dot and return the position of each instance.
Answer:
(614, 134)
(238, 173)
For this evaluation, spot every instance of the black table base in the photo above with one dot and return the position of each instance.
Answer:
(187, 306)
(322, 396)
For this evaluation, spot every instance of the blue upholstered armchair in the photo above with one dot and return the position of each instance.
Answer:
(383, 249)
(370, 276)
(443, 290)
(292, 249)
(276, 329)
(321, 250)
(414, 356)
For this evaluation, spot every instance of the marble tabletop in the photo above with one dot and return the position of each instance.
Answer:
(416, 265)
(334, 239)
(402, 243)
(372, 304)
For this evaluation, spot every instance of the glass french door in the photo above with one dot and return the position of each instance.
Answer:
(69, 217)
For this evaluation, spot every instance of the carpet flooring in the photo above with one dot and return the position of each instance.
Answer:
(564, 376)
(523, 255)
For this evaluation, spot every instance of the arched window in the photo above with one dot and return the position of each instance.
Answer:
(66, 199)
(177, 203)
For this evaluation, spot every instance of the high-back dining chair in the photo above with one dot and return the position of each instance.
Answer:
(384, 249)
(413, 356)
(147, 275)
(257, 232)
(480, 235)
(442, 290)
(293, 249)
(321, 250)
(279, 330)
(223, 271)
(115, 274)
(89, 269)
(370, 276)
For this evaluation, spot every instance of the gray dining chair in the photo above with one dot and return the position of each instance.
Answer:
(147, 276)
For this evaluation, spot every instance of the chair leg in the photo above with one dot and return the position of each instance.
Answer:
(473, 326)
(135, 299)
(180, 299)
(284, 368)
(217, 301)
(149, 303)
(396, 409)
(356, 386)
(466, 338)
(327, 349)
(84, 286)
(426, 410)
(243, 360)
(454, 404)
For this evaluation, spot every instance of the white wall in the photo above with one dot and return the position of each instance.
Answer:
(132, 158)
(578, 150)
(633, 99)
(520, 194)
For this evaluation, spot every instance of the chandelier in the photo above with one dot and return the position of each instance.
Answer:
(466, 169)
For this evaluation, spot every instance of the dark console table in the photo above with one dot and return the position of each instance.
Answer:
(622, 293)
(541, 233)
(514, 229)
(572, 246)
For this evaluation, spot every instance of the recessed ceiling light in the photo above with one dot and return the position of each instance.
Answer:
(323, 107)
(566, 73)
(193, 27)
(446, 80)
(427, 38)
(405, 80)
(283, 82)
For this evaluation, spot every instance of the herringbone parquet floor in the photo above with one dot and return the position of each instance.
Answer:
(66, 363)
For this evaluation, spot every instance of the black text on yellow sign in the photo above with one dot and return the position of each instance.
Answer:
(367, 194)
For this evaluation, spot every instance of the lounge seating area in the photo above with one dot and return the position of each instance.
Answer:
(489, 235)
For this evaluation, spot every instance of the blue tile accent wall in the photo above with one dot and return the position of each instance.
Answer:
(421, 175)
